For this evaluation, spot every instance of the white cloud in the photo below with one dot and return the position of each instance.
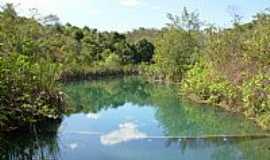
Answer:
(130, 3)
(127, 131)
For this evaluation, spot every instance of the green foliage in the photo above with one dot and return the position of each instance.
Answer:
(45, 38)
(221, 66)
(177, 47)
(47, 51)
(142, 33)
(256, 98)
(144, 51)
(188, 21)
(27, 93)
(78, 35)
(202, 81)
(112, 60)
(234, 69)
(175, 52)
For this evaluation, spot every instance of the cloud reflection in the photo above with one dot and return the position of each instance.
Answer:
(92, 116)
(127, 131)
(73, 146)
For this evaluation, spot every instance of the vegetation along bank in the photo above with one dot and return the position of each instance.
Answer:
(36, 52)
(220, 66)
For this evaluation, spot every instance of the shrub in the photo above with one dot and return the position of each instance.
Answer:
(28, 92)
(202, 81)
(256, 98)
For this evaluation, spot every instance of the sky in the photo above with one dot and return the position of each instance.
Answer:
(125, 15)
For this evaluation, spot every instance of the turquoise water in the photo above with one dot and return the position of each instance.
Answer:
(130, 119)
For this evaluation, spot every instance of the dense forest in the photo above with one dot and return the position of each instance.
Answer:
(36, 52)
(228, 67)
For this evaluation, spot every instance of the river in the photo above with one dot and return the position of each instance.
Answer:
(131, 119)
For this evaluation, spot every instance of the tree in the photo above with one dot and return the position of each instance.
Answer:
(78, 36)
(50, 19)
(144, 51)
(175, 52)
(188, 21)
(234, 13)
(124, 51)
(178, 46)
(136, 35)
(9, 10)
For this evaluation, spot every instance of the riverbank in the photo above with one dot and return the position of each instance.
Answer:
(223, 67)
(105, 110)
(28, 95)
(97, 73)
(35, 55)
(240, 110)
(250, 97)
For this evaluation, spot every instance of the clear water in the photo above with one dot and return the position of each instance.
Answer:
(130, 119)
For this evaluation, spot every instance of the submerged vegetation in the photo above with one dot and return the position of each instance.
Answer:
(229, 67)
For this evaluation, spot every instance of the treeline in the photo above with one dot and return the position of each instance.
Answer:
(227, 67)
(35, 52)
(142, 33)
(69, 45)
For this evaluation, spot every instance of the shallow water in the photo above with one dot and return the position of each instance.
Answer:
(130, 119)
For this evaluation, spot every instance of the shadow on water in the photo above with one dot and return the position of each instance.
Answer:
(186, 128)
(39, 144)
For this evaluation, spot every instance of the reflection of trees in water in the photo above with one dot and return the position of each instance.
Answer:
(176, 119)
(196, 143)
(248, 148)
(188, 120)
(40, 144)
(101, 95)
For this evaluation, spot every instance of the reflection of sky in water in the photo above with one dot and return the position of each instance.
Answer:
(73, 146)
(126, 132)
(134, 120)
(110, 120)
(91, 147)
(94, 116)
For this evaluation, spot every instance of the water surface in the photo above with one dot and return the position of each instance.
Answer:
(130, 119)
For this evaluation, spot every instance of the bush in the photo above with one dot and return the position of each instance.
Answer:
(112, 60)
(175, 52)
(28, 92)
(202, 81)
(256, 98)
